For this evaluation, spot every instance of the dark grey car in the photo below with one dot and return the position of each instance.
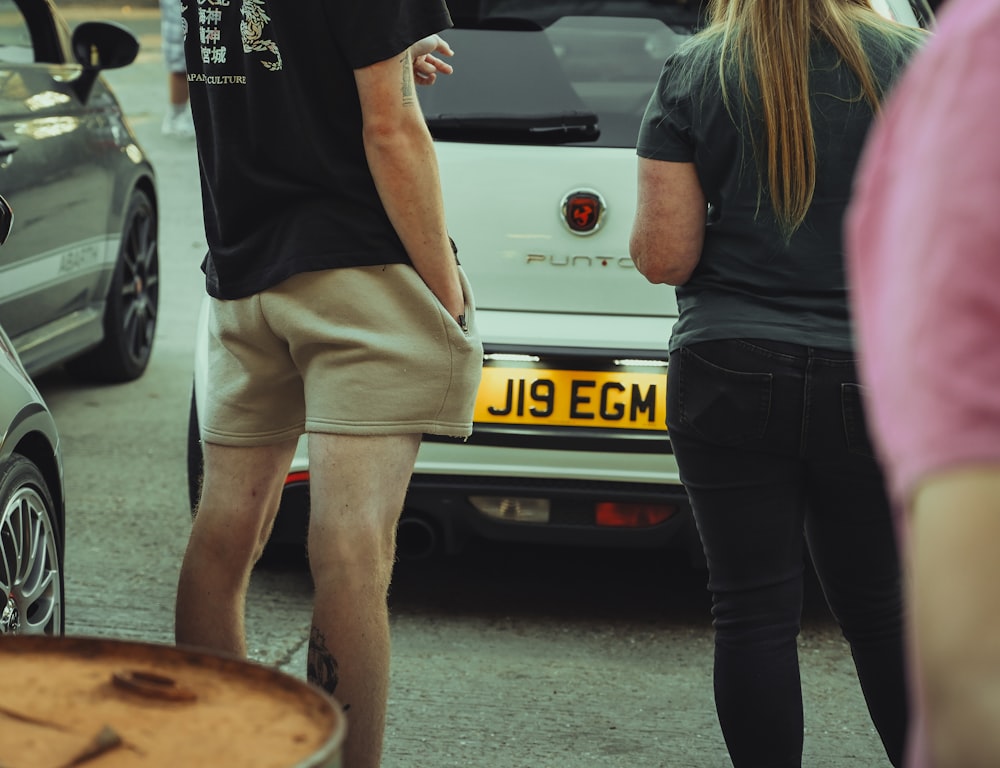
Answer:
(79, 276)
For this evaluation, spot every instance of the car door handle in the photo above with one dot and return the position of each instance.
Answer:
(8, 147)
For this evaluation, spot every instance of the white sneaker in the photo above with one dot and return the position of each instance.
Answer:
(180, 124)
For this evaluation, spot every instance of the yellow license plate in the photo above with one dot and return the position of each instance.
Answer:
(603, 399)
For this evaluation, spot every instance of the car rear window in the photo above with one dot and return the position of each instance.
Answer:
(574, 72)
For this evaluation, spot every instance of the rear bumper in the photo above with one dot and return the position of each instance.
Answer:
(442, 508)
(445, 503)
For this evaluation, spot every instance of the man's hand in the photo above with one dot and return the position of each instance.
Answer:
(427, 66)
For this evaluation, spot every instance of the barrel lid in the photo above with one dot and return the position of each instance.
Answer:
(116, 703)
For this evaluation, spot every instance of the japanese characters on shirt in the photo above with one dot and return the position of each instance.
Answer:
(253, 28)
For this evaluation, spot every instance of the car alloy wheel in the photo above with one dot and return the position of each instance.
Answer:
(31, 578)
(132, 304)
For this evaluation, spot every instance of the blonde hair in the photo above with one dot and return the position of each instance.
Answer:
(770, 40)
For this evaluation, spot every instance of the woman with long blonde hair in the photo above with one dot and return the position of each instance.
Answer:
(747, 152)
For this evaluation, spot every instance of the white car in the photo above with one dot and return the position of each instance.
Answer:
(535, 134)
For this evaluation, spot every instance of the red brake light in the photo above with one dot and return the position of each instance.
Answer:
(297, 477)
(620, 515)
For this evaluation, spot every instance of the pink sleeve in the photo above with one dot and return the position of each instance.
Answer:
(923, 238)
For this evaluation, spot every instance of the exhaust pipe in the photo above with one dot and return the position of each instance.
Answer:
(416, 538)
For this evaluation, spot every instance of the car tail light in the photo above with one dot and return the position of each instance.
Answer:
(297, 477)
(512, 508)
(619, 515)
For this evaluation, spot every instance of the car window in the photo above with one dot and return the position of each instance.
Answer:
(15, 37)
(573, 71)
(563, 71)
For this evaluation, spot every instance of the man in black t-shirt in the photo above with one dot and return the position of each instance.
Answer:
(337, 310)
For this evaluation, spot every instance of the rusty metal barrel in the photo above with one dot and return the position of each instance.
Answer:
(101, 703)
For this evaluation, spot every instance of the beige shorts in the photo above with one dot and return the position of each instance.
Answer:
(359, 351)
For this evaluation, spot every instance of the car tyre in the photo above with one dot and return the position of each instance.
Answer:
(132, 303)
(31, 567)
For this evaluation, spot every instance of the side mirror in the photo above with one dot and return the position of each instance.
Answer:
(6, 219)
(99, 45)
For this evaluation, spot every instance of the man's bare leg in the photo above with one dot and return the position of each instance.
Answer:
(177, 88)
(358, 486)
(239, 500)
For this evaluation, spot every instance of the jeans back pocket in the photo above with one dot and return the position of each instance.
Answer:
(714, 403)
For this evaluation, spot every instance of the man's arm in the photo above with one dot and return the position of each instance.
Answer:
(404, 166)
(954, 597)
(669, 226)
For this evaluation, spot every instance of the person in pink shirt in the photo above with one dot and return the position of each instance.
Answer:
(923, 235)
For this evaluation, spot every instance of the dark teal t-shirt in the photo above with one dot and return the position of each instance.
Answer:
(750, 282)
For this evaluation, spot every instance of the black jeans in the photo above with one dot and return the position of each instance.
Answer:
(771, 443)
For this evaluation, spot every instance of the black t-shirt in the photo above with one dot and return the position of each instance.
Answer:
(285, 184)
(750, 282)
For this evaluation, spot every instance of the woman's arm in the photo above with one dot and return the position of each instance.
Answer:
(669, 227)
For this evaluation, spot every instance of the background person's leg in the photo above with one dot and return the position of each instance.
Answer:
(239, 500)
(177, 120)
(357, 487)
(177, 89)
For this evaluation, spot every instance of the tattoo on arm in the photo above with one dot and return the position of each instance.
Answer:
(321, 667)
(406, 87)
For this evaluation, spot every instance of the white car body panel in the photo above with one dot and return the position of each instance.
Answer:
(502, 205)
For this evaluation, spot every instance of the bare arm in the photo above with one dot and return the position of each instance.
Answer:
(669, 226)
(404, 166)
(954, 596)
